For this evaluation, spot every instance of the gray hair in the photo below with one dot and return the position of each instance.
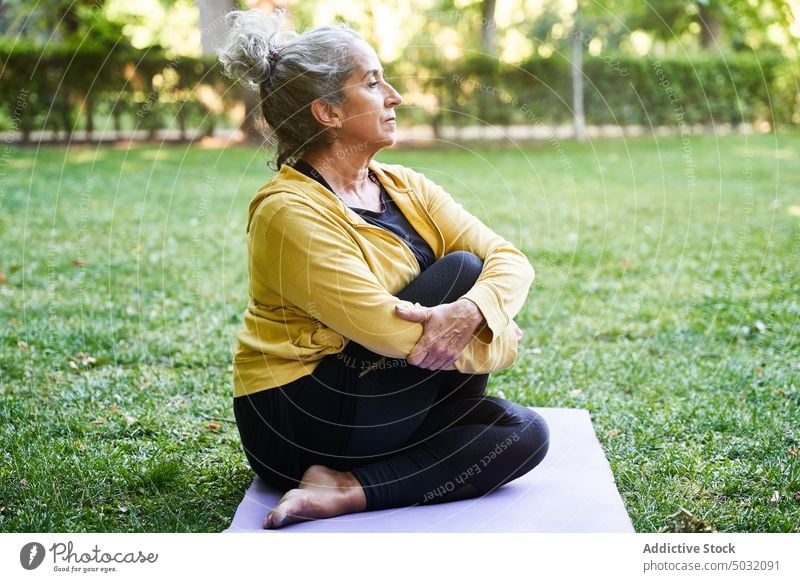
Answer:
(290, 71)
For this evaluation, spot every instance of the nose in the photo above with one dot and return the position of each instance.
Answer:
(393, 98)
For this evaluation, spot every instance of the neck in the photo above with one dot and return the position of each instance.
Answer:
(345, 168)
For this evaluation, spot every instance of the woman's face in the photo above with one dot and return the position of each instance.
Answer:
(367, 116)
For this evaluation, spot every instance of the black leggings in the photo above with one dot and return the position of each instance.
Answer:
(409, 435)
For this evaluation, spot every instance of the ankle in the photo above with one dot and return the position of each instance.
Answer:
(352, 489)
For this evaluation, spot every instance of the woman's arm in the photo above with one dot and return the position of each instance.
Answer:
(313, 266)
(448, 329)
(502, 288)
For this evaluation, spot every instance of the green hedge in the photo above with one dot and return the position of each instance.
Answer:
(65, 89)
(619, 90)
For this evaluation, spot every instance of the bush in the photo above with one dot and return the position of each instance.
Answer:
(63, 89)
(620, 90)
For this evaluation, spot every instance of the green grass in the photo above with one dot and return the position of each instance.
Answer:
(669, 310)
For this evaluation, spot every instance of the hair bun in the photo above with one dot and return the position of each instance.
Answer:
(251, 50)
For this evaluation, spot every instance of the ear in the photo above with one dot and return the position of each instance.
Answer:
(326, 114)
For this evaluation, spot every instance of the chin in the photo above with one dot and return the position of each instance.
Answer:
(388, 141)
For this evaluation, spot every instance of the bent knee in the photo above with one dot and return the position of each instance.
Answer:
(466, 261)
(536, 437)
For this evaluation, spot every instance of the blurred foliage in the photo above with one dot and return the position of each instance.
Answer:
(137, 63)
(81, 24)
(543, 27)
(171, 25)
(620, 90)
(63, 89)
(681, 26)
(672, 26)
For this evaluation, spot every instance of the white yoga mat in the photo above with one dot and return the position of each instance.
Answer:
(572, 490)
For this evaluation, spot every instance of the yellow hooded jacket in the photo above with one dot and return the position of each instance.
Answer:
(320, 276)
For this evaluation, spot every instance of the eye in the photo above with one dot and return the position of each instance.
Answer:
(373, 84)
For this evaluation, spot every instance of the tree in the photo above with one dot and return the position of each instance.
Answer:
(579, 120)
(59, 22)
(212, 23)
(722, 24)
(213, 30)
(488, 27)
(74, 25)
(710, 23)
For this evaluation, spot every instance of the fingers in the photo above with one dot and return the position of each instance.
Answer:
(431, 360)
(418, 357)
(413, 314)
(517, 331)
(442, 364)
(443, 338)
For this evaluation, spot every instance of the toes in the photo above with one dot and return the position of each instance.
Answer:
(289, 510)
(277, 516)
(278, 519)
(273, 520)
(270, 521)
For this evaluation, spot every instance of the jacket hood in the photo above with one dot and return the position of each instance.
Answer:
(296, 185)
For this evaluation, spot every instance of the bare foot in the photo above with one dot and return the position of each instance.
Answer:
(323, 492)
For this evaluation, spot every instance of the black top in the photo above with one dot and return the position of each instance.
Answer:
(390, 218)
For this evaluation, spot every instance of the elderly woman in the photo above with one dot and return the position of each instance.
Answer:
(378, 305)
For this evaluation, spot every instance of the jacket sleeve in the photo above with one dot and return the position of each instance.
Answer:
(315, 266)
(312, 264)
(507, 275)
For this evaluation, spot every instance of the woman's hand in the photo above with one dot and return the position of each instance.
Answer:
(447, 329)
(518, 331)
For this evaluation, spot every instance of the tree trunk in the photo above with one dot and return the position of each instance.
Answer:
(151, 112)
(488, 27)
(116, 114)
(213, 30)
(66, 119)
(579, 120)
(212, 23)
(710, 27)
(88, 108)
(181, 115)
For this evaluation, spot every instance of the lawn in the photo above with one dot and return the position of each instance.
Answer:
(666, 303)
